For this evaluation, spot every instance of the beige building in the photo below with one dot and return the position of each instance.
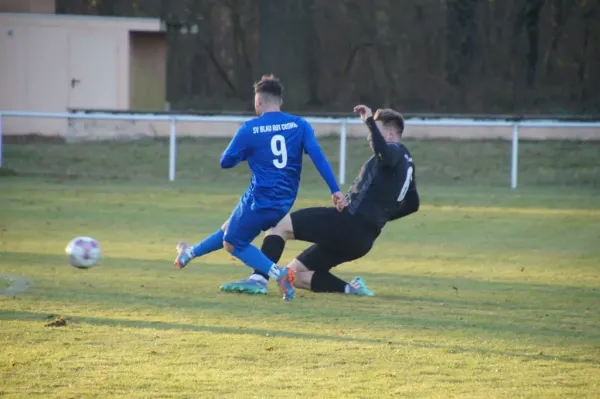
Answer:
(55, 63)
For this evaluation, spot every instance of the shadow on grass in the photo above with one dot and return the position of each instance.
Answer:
(501, 309)
(519, 293)
(332, 311)
(451, 349)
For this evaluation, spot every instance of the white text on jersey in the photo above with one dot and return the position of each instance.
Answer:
(274, 128)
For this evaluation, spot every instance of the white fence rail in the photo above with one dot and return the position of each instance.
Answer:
(343, 122)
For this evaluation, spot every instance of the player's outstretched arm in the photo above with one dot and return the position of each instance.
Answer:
(386, 155)
(379, 144)
(312, 148)
(236, 151)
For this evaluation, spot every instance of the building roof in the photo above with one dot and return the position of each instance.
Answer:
(69, 20)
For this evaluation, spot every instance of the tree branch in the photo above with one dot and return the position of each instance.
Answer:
(220, 70)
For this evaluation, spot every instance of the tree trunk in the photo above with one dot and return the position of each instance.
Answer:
(313, 62)
(461, 31)
(529, 17)
(284, 48)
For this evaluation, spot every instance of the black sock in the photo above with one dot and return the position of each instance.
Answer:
(272, 247)
(327, 282)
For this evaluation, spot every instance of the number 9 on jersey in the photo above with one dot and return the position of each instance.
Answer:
(279, 150)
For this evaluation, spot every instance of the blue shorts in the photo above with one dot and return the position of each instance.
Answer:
(246, 224)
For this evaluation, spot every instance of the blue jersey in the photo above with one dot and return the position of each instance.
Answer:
(273, 145)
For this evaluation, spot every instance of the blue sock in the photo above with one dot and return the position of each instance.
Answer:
(252, 257)
(210, 244)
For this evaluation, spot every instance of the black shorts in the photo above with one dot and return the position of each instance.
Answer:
(338, 237)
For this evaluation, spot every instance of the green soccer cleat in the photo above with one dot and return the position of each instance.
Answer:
(358, 287)
(249, 286)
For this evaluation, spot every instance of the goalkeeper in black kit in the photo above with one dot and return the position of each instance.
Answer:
(385, 190)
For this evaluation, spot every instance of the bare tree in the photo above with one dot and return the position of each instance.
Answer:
(473, 56)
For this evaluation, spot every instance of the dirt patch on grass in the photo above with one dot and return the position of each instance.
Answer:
(60, 322)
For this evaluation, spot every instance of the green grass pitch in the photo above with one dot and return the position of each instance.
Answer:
(485, 292)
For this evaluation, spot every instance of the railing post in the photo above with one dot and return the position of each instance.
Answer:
(172, 149)
(514, 161)
(1, 140)
(342, 177)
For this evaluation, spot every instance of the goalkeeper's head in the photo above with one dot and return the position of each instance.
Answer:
(268, 94)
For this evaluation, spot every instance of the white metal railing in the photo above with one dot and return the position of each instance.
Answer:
(343, 122)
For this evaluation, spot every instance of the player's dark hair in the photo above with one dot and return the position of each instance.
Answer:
(269, 84)
(388, 116)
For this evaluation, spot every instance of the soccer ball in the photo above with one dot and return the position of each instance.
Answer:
(83, 252)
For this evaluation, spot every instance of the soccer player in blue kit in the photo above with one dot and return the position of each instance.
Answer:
(384, 191)
(273, 144)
